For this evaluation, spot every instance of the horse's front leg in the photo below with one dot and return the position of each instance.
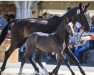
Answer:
(68, 65)
(69, 53)
(55, 70)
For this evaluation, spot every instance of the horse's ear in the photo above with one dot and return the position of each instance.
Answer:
(87, 6)
(80, 5)
(67, 20)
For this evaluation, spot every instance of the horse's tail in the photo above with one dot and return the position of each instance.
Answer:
(5, 31)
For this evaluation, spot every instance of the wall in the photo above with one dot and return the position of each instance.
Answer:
(60, 7)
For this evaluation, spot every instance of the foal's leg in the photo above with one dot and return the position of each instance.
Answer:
(61, 57)
(33, 64)
(38, 57)
(55, 71)
(31, 61)
(41, 65)
(22, 64)
(25, 56)
(67, 64)
(67, 51)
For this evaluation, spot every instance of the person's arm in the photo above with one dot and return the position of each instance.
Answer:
(92, 37)
(77, 43)
(86, 38)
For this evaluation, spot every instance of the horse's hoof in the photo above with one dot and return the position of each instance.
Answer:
(55, 73)
(73, 73)
(83, 73)
(0, 72)
(36, 73)
(50, 73)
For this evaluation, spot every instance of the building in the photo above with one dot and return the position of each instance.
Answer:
(52, 7)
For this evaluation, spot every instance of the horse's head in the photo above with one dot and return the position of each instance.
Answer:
(80, 14)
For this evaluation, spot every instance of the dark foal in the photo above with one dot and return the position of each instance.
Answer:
(47, 43)
(21, 28)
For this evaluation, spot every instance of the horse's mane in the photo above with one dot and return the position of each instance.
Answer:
(70, 12)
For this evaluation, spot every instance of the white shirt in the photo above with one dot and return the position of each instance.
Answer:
(78, 25)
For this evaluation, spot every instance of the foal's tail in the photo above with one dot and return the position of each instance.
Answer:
(5, 31)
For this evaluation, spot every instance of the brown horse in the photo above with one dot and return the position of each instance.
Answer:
(36, 25)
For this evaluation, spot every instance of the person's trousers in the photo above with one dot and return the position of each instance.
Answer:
(79, 50)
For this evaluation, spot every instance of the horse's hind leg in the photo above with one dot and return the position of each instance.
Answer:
(33, 64)
(37, 59)
(67, 51)
(26, 55)
(7, 55)
(41, 65)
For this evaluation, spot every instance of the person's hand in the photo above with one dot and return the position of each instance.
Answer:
(70, 46)
(77, 44)
(92, 37)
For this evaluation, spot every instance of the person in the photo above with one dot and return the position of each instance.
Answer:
(92, 19)
(21, 51)
(6, 16)
(92, 37)
(3, 21)
(40, 17)
(11, 17)
(78, 26)
(45, 14)
(80, 46)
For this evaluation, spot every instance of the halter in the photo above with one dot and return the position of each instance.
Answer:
(69, 23)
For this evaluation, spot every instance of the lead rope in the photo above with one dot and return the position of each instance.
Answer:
(80, 36)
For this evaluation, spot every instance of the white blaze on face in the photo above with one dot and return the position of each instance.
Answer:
(71, 26)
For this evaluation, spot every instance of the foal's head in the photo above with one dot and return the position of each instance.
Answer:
(68, 27)
(65, 27)
(79, 14)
